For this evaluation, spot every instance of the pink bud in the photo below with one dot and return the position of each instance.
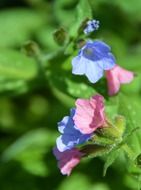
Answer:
(116, 77)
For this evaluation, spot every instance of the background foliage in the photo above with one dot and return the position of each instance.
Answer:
(38, 39)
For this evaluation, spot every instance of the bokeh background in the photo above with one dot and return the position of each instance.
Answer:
(33, 98)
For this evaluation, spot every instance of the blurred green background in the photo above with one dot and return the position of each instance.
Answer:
(37, 90)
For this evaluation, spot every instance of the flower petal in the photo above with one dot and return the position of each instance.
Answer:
(107, 63)
(60, 145)
(116, 77)
(93, 71)
(62, 124)
(101, 46)
(67, 160)
(89, 114)
(78, 65)
(67, 166)
(93, 58)
(71, 135)
(125, 76)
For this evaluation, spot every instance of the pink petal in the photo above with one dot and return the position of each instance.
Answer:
(89, 114)
(113, 82)
(116, 77)
(125, 76)
(66, 168)
(67, 160)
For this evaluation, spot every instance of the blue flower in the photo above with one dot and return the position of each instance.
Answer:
(92, 60)
(71, 136)
(92, 25)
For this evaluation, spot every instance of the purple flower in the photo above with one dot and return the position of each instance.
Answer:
(92, 60)
(71, 136)
(92, 25)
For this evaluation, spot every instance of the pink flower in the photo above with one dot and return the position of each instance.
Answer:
(116, 77)
(89, 114)
(67, 160)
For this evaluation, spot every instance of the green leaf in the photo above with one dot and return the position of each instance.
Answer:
(45, 37)
(83, 12)
(64, 98)
(110, 159)
(80, 89)
(130, 108)
(65, 12)
(15, 65)
(17, 25)
(13, 87)
(66, 87)
(30, 149)
(37, 138)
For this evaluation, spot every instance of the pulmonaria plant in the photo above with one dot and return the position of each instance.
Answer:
(88, 129)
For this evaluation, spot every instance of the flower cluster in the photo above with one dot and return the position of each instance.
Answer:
(93, 60)
(77, 129)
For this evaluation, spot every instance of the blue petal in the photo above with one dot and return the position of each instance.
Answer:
(78, 65)
(94, 72)
(71, 136)
(62, 124)
(67, 122)
(84, 138)
(108, 62)
(95, 51)
(72, 112)
(60, 145)
(70, 140)
(66, 142)
(101, 46)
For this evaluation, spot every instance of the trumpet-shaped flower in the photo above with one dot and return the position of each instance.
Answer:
(71, 136)
(89, 114)
(67, 160)
(116, 77)
(92, 60)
